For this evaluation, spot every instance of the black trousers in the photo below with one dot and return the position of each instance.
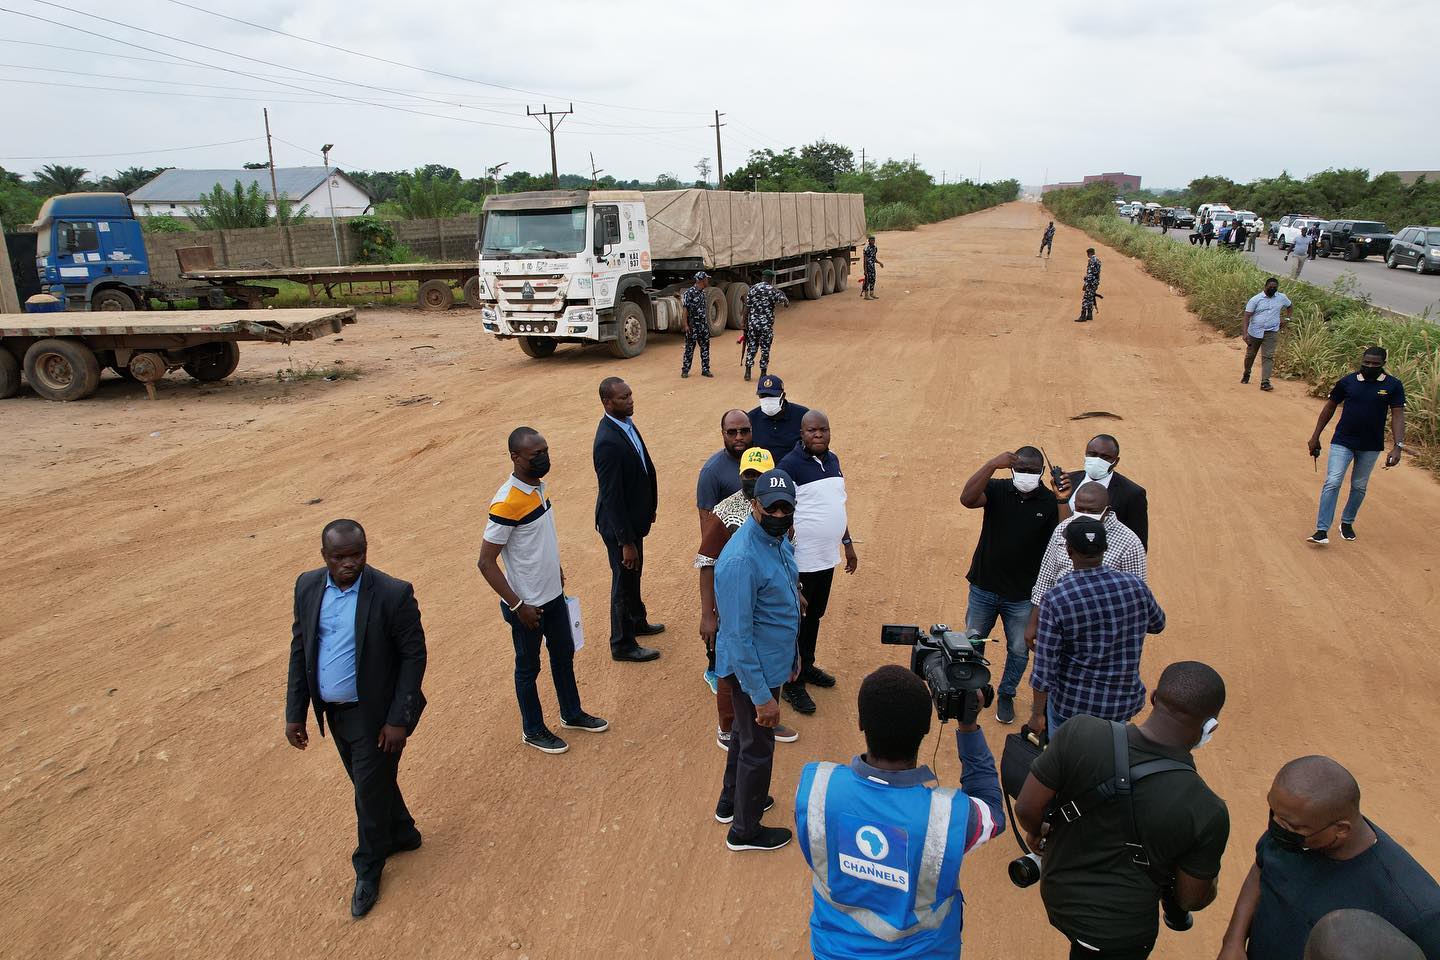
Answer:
(748, 763)
(627, 610)
(1078, 952)
(381, 817)
(816, 589)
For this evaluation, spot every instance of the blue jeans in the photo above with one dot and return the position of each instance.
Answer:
(980, 614)
(1341, 457)
(555, 632)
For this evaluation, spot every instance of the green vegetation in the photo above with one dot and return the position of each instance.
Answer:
(378, 242)
(1326, 336)
(428, 194)
(163, 223)
(241, 207)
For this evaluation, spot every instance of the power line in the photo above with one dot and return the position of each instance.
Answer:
(133, 153)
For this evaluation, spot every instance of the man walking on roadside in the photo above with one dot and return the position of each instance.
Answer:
(1019, 515)
(755, 583)
(697, 326)
(1047, 240)
(760, 320)
(357, 657)
(1366, 396)
(521, 532)
(871, 258)
(1299, 250)
(1093, 625)
(1091, 289)
(821, 531)
(1265, 317)
(1255, 232)
(624, 512)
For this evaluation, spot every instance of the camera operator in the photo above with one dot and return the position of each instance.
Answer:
(1095, 892)
(884, 844)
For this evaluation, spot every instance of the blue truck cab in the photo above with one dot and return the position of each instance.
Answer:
(89, 250)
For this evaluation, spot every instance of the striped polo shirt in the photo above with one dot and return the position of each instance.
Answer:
(522, 522)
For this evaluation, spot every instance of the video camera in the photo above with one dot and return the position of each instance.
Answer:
(951, 665)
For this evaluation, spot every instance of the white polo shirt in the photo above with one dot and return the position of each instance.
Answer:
(522, 522)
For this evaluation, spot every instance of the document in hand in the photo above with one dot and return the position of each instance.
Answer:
(577, 627)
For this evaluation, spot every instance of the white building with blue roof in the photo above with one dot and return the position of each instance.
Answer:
(178, 192)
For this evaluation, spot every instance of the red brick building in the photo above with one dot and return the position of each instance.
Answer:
(1123, 182)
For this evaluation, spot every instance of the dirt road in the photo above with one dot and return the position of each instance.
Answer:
(151, 807)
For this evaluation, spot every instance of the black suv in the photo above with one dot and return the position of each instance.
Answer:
(1417, 247)
(1355, 239)
(1184, 218)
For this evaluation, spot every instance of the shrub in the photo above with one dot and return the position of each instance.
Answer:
(163, 223)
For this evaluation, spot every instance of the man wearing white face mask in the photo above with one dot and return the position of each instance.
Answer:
(1019, 517)
(1094, 891)
(1127, 498)
(775, 424)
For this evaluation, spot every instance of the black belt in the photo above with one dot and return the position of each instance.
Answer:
(341, 707)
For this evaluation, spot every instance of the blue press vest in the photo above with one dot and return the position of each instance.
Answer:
(886, 864)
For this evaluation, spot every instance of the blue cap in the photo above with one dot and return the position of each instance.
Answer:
(770, 386)
(774, 486)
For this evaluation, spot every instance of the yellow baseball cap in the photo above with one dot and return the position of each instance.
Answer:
(757, 459)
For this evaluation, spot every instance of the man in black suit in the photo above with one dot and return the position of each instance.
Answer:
(357, 656)
(624, 513)
(1127, 498)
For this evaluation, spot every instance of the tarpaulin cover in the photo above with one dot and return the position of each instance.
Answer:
(723, 228)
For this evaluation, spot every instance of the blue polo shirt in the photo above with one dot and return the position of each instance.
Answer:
(1364, 404)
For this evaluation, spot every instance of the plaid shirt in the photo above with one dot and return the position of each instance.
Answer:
(1092, 630)
(1125, 552)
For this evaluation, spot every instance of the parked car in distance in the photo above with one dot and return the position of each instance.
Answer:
(1184, 218)
(1417, 247)
(1245, 216)
(1273, 231)
(1210, 209)
(1355, 239)
(1285, 239)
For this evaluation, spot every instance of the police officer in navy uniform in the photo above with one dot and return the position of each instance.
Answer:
(760, 321)
(1092, 287)
(884, 843)
(871, 257)
(1047, 240)
(697, 326)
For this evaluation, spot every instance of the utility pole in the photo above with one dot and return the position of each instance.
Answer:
(719, 157)
(862, 161)
(270, 149)
(942, 177)
(551, 124)
(334, 226)
(594, 172)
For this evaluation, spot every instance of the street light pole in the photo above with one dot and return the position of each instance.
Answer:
(330, 193)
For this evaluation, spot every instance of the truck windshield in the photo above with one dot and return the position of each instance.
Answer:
(534, 231)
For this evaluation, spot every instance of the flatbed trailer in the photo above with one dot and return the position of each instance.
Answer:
(62, 354)
(438, 281)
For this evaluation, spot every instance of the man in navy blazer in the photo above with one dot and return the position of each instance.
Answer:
(624, 512)
(357, 656)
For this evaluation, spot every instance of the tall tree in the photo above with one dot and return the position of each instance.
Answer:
(57, 178)
(430, 192)
(131, 178)
(241, 207)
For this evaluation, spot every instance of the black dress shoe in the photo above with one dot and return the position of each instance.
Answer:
(817, 676)
(366, 893)
(649, 629)
(798, 697)
(407, 844)
(636, 654)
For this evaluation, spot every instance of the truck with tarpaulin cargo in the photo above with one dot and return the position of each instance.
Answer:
(611, 266)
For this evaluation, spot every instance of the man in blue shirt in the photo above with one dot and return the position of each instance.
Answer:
(885, 845)
(1265, 317)
(1366, 395)
(758, 594)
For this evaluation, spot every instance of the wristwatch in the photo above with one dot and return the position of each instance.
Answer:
(847, 540)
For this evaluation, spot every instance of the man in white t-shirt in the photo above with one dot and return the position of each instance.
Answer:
(521, 532)
(821, 531)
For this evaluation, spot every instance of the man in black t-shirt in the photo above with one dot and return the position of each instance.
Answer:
(1366, 395)
(1094, 891)
(1020, 515)
(1320, 854)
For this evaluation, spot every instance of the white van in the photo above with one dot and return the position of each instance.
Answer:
(1210, 209)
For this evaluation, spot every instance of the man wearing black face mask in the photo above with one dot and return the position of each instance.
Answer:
(1094, 891)
(1367, 395)
(1321, 854)
(521, 532)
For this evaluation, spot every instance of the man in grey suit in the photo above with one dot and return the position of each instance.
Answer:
(357, 656)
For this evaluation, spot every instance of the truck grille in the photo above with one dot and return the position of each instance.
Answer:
(522, 325)
(537, 295)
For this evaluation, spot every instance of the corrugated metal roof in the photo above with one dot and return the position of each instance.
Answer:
(173, 185)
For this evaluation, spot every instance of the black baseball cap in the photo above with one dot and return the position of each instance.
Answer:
(774, 486)
(770, 386)
(1087, 536)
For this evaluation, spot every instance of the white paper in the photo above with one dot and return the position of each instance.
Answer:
(577, 627)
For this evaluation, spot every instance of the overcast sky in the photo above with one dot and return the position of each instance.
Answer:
(1169, 90)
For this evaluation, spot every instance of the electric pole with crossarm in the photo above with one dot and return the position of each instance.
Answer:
(550, 123)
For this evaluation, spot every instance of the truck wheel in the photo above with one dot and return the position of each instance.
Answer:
(213, 361)
(842, 273)
(813, 282)
(737, 298)
(827, 277)
(435, 295)
(471, 292)
(716, 310)
(537, 348)
(62, 369)
(112, 300)
(630, 331)
(9, 373)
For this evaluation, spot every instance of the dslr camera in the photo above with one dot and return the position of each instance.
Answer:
(951, 665)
